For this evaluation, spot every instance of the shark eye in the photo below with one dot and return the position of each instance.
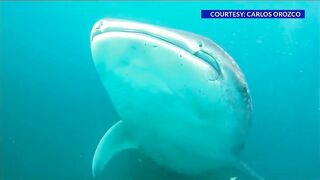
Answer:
(210, 60)
(200, 44)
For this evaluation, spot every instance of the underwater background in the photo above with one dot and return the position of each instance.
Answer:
(54, 109)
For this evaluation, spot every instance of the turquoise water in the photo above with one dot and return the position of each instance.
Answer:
(54, 109)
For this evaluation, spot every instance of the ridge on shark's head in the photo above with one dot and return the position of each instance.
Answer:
(182, 100)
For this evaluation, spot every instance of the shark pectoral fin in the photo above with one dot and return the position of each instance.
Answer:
(113, 141)
(238, 171)
(243, 171)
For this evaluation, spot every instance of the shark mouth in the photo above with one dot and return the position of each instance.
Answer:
(187, 41)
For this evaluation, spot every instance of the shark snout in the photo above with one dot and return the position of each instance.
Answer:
(193, 44)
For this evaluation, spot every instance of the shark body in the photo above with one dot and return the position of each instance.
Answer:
(182, 100)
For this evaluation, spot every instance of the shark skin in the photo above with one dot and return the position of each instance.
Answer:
(182, 100)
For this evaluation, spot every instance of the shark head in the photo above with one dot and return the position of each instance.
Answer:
(182, 100)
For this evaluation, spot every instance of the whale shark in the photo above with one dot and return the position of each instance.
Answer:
(182, 100)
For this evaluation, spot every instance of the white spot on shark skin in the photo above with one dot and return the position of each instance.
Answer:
(182, 100)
